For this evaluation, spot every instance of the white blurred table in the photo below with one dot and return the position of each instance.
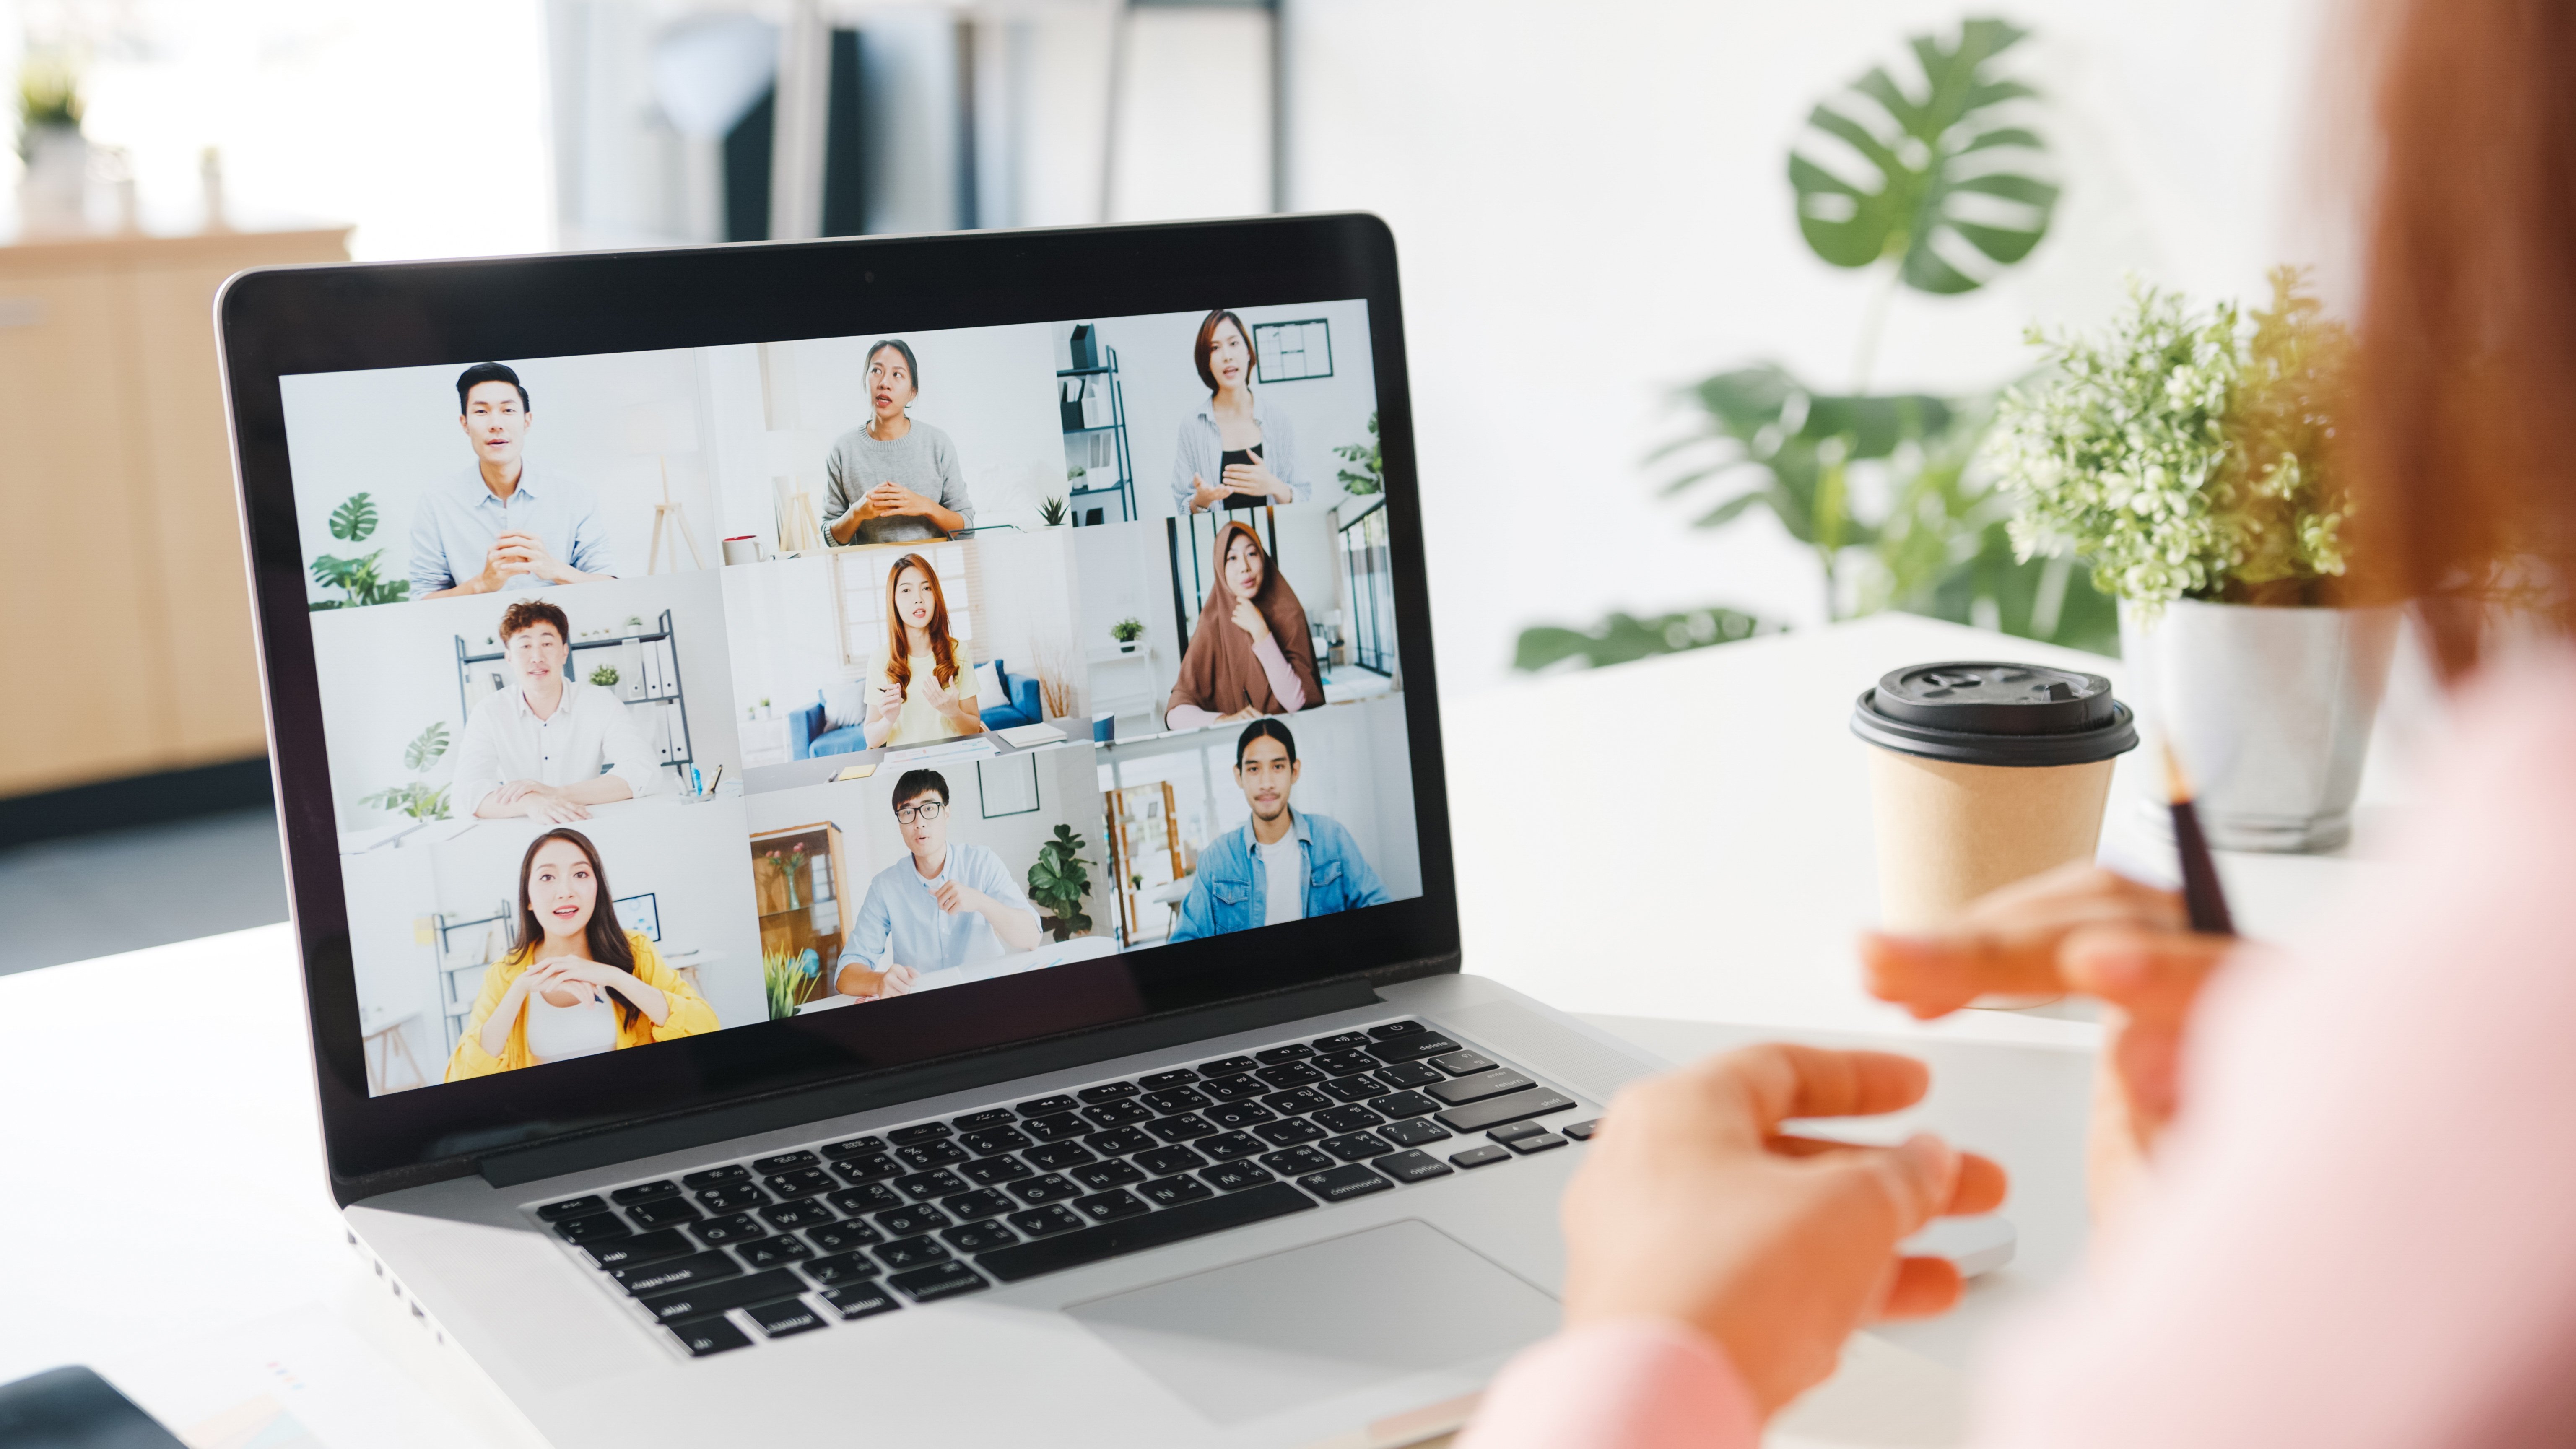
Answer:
(1693, 884)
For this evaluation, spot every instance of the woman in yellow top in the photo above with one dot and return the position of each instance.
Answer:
(577, 985)
(926, 691)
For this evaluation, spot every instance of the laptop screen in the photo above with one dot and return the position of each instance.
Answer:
(671, 692)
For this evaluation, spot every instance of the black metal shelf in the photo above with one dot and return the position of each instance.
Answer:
(1116, 428)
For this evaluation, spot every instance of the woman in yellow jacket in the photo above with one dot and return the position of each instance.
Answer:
(577, 984)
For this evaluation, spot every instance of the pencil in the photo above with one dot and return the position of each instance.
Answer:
(2202, 897)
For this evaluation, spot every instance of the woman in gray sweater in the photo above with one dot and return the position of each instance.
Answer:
(893, 479)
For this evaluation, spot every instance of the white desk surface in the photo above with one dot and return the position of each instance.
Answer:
(1693, 886)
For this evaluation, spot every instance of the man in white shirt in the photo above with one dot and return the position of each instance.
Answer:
(492, 526)
(950, 905)
(553, 747)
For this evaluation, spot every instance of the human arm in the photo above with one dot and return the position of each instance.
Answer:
(644, 996)
(867, 969)
(1360, 885)
(956, 700)
(661, 994)
(530, 554)
(1282, 676)
(507, 557)
(992, 895)
(843, 499)
(488, 1026)
(1190, 717)
(892, 499)
(591, 556)
(884, 707)
(1197, 918)
(630, 764)
(1196, 488)
(430, 574)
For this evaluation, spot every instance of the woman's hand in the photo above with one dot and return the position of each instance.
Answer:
(1203, 497)
(1249, 620)
(1258, 481)
(889, 703)
(1245, 715)
(1692, 1207)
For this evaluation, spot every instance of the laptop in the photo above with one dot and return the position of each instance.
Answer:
(867, 835)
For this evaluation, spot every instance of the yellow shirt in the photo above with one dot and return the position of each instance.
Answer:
(919, 722)
(689, 1013)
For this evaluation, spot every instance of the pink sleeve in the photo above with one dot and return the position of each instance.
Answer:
(2359, 1233)
(1189, 717)
(1640, 1383)
(1283, 680)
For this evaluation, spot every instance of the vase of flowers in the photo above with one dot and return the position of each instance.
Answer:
(2191, 459)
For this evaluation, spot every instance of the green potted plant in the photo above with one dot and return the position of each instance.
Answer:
(1127, 631)
(53, 193)
(360, 580)
(1367, 475)
(1059, 881)
(605, 676)
(2191, 459)
(1052, 511)
(417, 798)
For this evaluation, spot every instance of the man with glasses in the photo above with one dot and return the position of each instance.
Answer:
(1285, 864)
(948, 906)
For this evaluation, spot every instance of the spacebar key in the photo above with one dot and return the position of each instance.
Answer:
(1135, 1235)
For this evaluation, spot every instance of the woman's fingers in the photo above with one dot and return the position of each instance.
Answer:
(2154, 975)
(1920, 1288)
(2007, 940)
(1935, 975)
(1780, 1080)
(1982, 1181)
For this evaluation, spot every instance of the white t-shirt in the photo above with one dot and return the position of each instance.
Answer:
(1283, 881)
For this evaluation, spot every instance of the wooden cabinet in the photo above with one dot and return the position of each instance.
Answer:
(801, 880)
(127, 638)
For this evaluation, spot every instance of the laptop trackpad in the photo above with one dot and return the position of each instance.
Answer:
(1251, 1339)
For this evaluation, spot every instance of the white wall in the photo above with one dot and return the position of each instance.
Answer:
(1027, 615)
(1124, 571)
(991, 389)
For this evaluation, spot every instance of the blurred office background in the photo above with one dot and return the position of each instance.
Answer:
(1592, 203)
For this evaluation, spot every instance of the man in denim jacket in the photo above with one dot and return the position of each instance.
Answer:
(1284, 864)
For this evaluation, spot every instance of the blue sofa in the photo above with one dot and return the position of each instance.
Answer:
(807, 738)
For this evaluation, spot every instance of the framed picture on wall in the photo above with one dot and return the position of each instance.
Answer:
(1009, 785)
(1294, 351)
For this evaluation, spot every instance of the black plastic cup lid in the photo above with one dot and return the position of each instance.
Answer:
(1988, 713)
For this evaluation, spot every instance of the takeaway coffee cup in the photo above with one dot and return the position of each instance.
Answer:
(1982, 774)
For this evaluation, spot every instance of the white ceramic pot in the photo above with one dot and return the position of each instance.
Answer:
(53, 195)
(2269, 710)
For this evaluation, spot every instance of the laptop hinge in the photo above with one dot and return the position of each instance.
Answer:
(912, 1084)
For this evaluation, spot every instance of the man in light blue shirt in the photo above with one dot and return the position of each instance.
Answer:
(947, 906)
(494, 527)
(1284, 864)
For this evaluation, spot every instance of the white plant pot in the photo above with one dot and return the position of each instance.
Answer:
(53, 195)
(2269, 710)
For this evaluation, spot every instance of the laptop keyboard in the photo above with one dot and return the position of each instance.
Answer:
(793, 1242)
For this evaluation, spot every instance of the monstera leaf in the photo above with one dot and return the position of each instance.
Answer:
(1945, 182)
(354, 519)
(426, 748)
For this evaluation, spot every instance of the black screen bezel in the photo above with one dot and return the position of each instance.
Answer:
(282, 321)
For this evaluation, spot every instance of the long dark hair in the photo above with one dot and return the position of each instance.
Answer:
(899, 643)
(606, 939)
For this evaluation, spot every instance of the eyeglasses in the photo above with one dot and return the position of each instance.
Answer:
(926, 810)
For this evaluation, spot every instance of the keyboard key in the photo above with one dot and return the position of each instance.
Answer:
(841, 1268)
(912, 1222)
(986, 1142)
(1293, 1052)
(933, 1154)
(778, 1320)
(860, 1300)
(1396, 1029)
(731, 1228)
(1343, 1183)
(1495, 1111)
(1165, 1081)
(1413, 1133)
(1352, 1089)
(640, 1249)
(918, 1132)
(1109, 1207)
(1297, 1102)
(969, 1206)
(994, 1171)
(924, 1185)
(1289, 1074)
(1580, 1131)
(1101, 1176)
(662, 1213)
(1233, 1089)
(732, 1197)
(1340, 1041)
(1535, 1142)
(842, 1237)
(1181, 1128)
(573, 1207)
(977, 1121)
(940, 1280)
(1175, 1099)
(1226, 1147)
(1410, 1166)
(1347, 1119)
(1047, 1189)
(644, 1192)
(1227, 1067)
(1055, 1128)
(1107, 1092)
(676, 1272)
(1046, 1221)
(1407, 1074)
(1400, 1105)
(870, 1168)
(1289, 1133)
(910, 1252)
(1344, 1064)
(594, 1228)
(1047, 1106)
(1296, 1161)
(871, 1198)
(1463, 1063)
(790, 1215)
(1118, 1114)
(1480, 1086)
(716, 1177)
(1057, 1156)
(1355, 1146)
(710, 1335)
(980, 1237)
(801, 1182)
(1410, 1048)
(1239, 1114)
(1118, 1142)
(1164, 1161)
(1136, 1235)
(705, 1300)
(783, 1162)
(1236, 1176)
(1510, 1130)
(1174, 1191)
(854, 1147)
(1482, 1155)
(770, 1252)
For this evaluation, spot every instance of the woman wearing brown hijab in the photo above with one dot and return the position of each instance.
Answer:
(1250, 654)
